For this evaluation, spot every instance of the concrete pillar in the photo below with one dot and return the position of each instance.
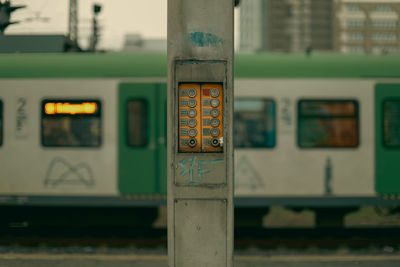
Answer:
(200, 145)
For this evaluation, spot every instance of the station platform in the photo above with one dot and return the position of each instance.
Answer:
(77, 260)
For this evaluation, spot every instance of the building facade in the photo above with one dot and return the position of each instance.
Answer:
(366, 26)
(347, 26)
(286, 25)
(136, 43)
(251, 25)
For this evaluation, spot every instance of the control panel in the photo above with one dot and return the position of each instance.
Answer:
(200, 117)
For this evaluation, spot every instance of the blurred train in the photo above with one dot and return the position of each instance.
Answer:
(319, 132)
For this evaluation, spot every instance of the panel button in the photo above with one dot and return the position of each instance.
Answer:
(215, 112)
(192, 132)
(192, 92)
(214, 92)
(214, 122)
(214, 132)
(192, 122)
(192, 103)
(192, 113)
(214, 103)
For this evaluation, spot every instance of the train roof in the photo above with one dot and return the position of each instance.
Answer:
(119, 65)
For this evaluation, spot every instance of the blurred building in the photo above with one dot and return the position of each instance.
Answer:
(286, 25)
(252, 32)
(348, 26)
(135, 42)
(33, 43)
(367, 26)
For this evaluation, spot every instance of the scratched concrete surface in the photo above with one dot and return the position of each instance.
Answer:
(32, 260)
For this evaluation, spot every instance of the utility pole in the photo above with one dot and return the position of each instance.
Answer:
(200, 143)
(94, 38)
(73, 22)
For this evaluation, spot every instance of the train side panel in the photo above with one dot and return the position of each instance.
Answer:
(286, 170)
(30, 168)
(387, 105)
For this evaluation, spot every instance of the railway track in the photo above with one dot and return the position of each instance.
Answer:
(266, 238)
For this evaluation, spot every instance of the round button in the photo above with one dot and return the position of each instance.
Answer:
(215, 112)
(214, 103)
(214, 142)
(192, 92)
(214, 122)
(192, 122)
(192, 142)
(192, 132)
(214, 132)
(192, 112)
(214, 92)
(192, 103)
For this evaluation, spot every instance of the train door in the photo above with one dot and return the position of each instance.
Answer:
(141, 161)
(387, 108)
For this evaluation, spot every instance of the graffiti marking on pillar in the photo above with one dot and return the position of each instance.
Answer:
(192, 166)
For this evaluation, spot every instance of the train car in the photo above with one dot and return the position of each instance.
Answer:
(89, 130)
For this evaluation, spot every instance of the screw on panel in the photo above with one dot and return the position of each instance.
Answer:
(215, 142)
(192, 142)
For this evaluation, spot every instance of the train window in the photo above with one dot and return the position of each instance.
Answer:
(71, 123)
(391, 123)
(1, 123)
(138, 132)
(254, 123)
(328, 123)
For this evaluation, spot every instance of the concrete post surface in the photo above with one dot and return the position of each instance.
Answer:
(200, 174)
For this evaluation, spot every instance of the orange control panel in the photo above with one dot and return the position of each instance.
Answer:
(200, 117)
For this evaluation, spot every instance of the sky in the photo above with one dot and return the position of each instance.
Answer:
(118, 17)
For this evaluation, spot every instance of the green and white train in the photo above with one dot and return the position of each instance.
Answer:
(320, 132)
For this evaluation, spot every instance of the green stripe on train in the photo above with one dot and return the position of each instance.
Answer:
(117, 65)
